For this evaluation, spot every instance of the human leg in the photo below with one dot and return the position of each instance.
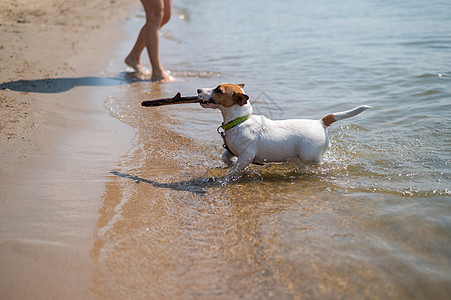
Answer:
(156, 16)
(167, 11)
(158, 13)
(134, 57)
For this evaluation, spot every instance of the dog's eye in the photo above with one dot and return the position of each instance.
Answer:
(218, 90)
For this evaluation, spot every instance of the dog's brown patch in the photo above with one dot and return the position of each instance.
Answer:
(229, 94)
(328, 120)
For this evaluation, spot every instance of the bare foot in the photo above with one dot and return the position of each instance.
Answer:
(164, 77)
(135, 65)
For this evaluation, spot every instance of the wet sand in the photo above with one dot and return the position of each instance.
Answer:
(57, 141)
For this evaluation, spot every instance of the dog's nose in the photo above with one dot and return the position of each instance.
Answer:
(199, 91)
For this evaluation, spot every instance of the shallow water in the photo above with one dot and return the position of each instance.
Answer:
(371, 221)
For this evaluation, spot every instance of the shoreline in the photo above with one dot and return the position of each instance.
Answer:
(56, 141)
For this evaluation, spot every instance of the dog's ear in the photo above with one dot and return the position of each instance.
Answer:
(219, 89)
(241, 85)
(240, 99)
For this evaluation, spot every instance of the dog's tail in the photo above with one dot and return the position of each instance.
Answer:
(331, 118)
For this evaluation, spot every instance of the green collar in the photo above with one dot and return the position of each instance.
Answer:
(235, 122)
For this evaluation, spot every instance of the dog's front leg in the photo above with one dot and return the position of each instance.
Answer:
(242, 162)
(234, 173)
(228, 158)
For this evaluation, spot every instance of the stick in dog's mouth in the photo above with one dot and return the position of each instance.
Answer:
(177, 99)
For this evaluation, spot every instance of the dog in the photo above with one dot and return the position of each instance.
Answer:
(252, 138)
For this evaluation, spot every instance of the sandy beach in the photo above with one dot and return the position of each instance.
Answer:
(51, 117)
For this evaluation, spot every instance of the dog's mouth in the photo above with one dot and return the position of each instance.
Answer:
(203, 101)
(205, 98)
(207, 103)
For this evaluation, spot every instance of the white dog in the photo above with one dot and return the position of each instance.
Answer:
(251, 138)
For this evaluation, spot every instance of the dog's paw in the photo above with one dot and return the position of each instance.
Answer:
(230, 178)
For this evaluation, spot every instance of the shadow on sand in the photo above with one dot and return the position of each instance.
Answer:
(197, 186)
(59, 85)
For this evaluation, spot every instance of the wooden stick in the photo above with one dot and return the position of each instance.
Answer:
(177, 99)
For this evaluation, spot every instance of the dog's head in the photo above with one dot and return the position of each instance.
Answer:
(225, 95)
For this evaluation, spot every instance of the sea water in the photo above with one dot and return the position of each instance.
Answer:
(371, 221)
